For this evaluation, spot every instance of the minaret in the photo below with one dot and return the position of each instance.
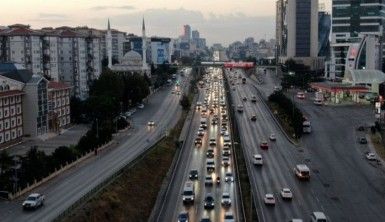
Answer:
(109, 44)
(144, 47)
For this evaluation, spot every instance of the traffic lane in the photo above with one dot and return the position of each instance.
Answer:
(344, 164)
(68, 187)
(272, 150)
(280, 161)
(349, 178)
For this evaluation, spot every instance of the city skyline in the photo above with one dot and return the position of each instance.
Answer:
(164, 18)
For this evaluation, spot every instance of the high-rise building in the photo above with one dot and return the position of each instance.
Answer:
(195, 34)
(352, 20)
(324, 27)
(297, 31)
(187, 32)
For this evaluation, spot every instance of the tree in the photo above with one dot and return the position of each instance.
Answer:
(34, 166)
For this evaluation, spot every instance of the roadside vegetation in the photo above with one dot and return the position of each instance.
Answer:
(290, 117)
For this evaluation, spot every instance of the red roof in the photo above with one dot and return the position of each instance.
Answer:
(57, 85)
(11, 93)
(17, 31)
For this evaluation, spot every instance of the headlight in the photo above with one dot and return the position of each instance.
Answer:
(184, 198)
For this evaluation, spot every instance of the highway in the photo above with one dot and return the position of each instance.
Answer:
(64, 190)
(343, 184)
(194, 157)
(279, 160)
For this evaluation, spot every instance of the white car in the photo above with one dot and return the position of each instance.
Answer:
(229, 217)
(33, 201)
(229, 177)
(286, 194)
(141, 106)
(151, 123)
(269, 199)
(371, 156)
(272, 137)
(226, 200)
(258, 160)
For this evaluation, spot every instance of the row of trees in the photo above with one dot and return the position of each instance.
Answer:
(292, 114)
(298, 75)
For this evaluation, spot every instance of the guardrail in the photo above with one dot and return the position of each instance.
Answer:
(57, 172)
(161, 199)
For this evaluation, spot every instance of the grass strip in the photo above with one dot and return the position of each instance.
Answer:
(283, 119)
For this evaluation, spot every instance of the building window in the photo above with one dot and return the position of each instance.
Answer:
(1, 125)
(18, 120)
(13, 135)
(12, 110)
(13, 122)
(18, 109)
(6, 112)
(1, 113)
(7, 136)
(19, 132)
(5, 102)
(6, 124)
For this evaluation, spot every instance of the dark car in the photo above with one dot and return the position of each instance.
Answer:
(363, 140)
(183, 217)
(198, 141)
(209, 201)
(193, 174)
(253, 118)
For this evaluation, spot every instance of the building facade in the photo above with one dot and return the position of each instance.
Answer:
(58, 106)
(297, 32)
(351, 20)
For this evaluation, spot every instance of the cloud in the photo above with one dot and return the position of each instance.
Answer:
(105, 7)
(51, 17)
(221, 28)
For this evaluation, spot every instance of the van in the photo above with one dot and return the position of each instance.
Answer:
(302, 171)
(318, 217)
(188, 192)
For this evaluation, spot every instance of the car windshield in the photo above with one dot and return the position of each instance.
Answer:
(229, 217)
(182, 216)
(188, 193)
(31, 198)
(209, 198)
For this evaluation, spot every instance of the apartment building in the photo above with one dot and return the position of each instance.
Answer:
(58, 106)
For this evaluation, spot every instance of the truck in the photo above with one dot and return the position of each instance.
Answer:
(306, 126)
(318, 99)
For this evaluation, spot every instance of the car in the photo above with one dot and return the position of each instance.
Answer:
(210, 153)
(193, 175)
(229, 217)
(253, 118)
(269, 199)
(208, 181)
(272, 137)
(198, 141)
(300, 95)
(253, 99)
(363, 140)
(264, 145)
(223, 130)
(229, 177)
(205, 219)
(128, 113)
(140, 106)
(172, 91)
(225, 161)
(286, 194)
(209, 202)
(371, 156)
(151, 123)
(183, 216)
(361, 128)
(226, 200)
(257, 160)
(318, 217)
(244, 98)
(33, 201)
(200, 133)
(226, 151)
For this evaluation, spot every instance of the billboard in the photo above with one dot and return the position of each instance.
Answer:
(239, 64)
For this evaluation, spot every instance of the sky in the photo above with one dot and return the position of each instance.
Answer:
(219, 21)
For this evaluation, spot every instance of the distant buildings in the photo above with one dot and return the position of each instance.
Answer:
(241, 51)
(188, 44)
(297, 32)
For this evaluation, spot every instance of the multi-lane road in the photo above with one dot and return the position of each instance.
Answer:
(65, 189)
(343, 184)
(194, 157)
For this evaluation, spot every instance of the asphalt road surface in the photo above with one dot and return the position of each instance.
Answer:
(343, 184)
(62, 191)
(194, 157)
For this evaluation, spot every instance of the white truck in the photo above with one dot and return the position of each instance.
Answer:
(306, 126)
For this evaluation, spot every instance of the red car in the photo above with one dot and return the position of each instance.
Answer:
(264, 145)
